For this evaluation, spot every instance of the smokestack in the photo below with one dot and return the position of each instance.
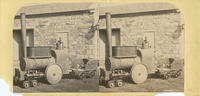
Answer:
(23, 30)
(109, 33)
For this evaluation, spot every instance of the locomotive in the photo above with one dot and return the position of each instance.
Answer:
(46, 62)
(122, 61)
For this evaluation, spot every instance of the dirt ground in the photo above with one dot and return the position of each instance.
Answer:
(151, 85)
(65, 85)
(73, 85)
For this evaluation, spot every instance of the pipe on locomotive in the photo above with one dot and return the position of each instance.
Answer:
(23, 30)
(109, 33)
(29, 63)
(130, 52)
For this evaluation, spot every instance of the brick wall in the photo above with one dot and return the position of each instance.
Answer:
(166, 26)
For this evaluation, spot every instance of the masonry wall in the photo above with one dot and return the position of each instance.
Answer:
(77, 24)
(167, 26)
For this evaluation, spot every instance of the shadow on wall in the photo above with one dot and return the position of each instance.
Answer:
(91, 32)
(178, 31)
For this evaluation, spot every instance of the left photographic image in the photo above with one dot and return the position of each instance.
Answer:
(43, 60)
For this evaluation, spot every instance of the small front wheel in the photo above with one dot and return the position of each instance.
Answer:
(119, 83)
(81, 76)
(34, 83)
(166, 77)
(26, 84)
(111, 84)
(178, 74)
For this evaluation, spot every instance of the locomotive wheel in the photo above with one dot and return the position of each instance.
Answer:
(81, 76)
(139, 73)
(166, 77)
(119, 83)
(111, 84)
(53, 74)
(26, 84)
(176, 75)
(34, 83)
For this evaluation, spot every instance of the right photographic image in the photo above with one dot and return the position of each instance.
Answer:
(143, 46)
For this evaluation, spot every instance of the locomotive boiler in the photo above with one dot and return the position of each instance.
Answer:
(122, 61)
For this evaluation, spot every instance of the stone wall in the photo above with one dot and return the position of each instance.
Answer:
(166, 25)
(77, 24)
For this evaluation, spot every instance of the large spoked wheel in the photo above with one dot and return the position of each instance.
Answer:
(139, 73)
(53, 74)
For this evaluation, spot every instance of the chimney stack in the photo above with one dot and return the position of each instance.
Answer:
(23, 33)
(109, 33)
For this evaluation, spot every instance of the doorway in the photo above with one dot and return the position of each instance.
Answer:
(150, 36)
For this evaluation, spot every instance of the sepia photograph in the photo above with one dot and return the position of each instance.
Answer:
(98, 47)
